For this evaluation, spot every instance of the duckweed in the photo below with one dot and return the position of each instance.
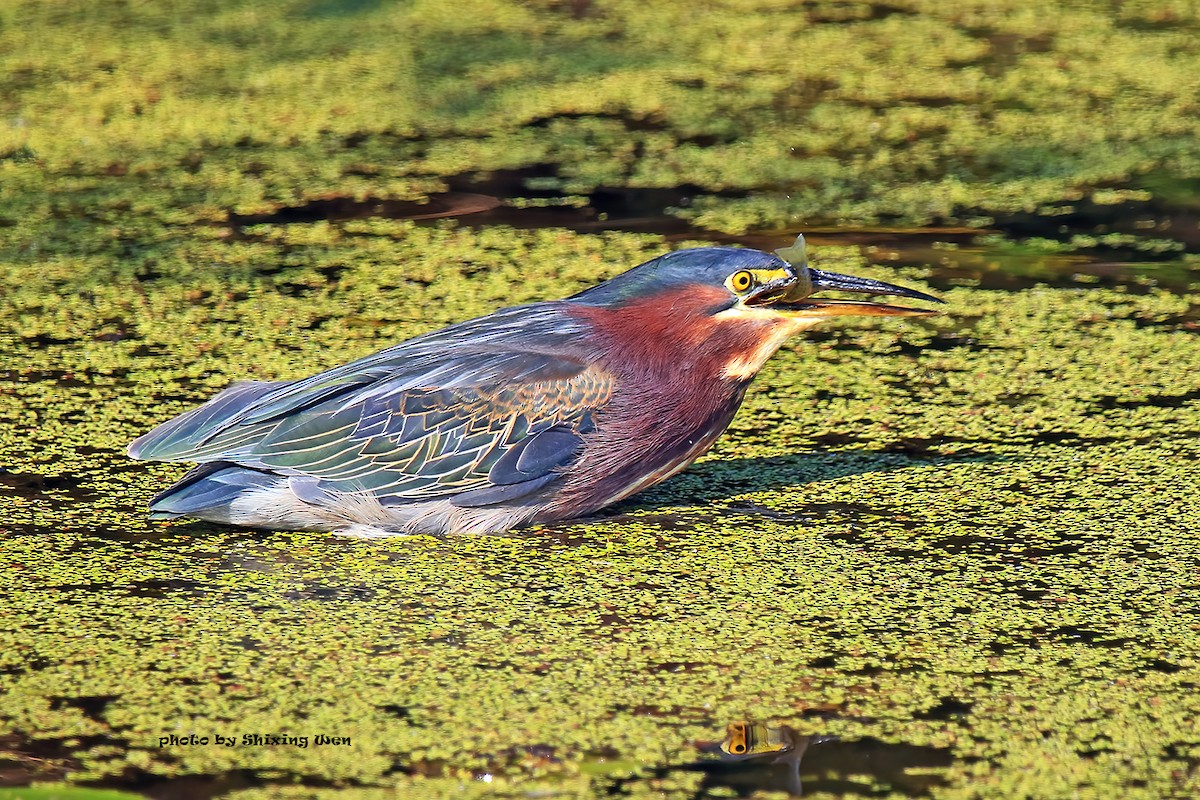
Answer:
(972, 534)
(776, 114)
(964, 546)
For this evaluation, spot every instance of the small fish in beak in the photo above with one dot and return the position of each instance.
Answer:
(797, 299)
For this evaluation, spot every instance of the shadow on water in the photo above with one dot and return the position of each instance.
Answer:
(720, 483)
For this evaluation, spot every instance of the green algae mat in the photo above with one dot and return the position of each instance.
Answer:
(959, 552)
(773, 111)
(948, 558)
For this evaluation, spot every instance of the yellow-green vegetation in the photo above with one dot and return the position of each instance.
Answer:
(965, 546)
(63, 792)
(831, 109)
(972, 537)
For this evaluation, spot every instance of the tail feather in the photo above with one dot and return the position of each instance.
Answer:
(176, 439)
(208, 492)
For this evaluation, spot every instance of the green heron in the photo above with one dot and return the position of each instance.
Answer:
(541, 412)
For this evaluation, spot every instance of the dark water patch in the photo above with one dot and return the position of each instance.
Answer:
(1070, 258)
(157, 589)
(67, 380)
(292, 289)
(1188, 321)
(329, 593)
(1020, 549)
(507, 761)
(1169, 213)
(1070, 633)
(1084, 244)
(678, 666)
(207, 787)
(92, 706)
(1155, 20)
(915, 446)
(983, 268)
(337, 209)
(399, 712)
(814, 765)
(531, 199)
(846, 13)
(968, 258)
(972, 544)
(947, 708)
(23, 762)
(33, 484)
(246, 643)
(115, 336)
(1011, 644)
(942, 342)
(1048, 437)
(333, 272)
(45, 340)
(1109, 402)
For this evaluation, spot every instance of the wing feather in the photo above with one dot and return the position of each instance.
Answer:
(488, 410)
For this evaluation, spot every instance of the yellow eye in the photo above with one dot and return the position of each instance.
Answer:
(741, 281)
(735, 740)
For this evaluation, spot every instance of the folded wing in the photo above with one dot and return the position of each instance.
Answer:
(480, 413)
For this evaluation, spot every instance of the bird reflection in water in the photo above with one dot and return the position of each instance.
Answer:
(750, 739)
(758, 743)
(755, 757)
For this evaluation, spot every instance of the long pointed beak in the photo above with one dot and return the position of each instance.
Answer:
(795, 298)
(800, 303)
(849, 283)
